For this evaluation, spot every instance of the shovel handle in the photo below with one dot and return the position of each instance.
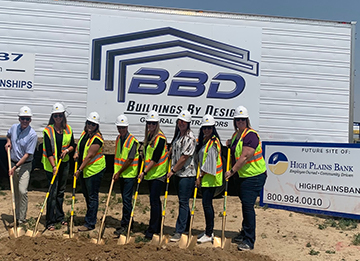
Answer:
(12, 193)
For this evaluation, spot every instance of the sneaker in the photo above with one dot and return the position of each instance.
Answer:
(176, 237)
(204, 238)
(244, 247)
(239, 238)
(84, 229)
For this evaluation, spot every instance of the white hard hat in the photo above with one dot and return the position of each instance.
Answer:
(122, 120)
(58, 108)
(185, 116)
(241, 112)
(94, 117)
(152, 116)
(208, 120)
(25, 111)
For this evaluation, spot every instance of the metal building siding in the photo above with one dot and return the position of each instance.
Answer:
(59, 37)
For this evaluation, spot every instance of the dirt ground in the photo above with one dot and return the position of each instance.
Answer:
(281, 235)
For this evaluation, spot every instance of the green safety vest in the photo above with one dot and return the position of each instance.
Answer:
(50, 132)
(121, 155)
(209, 180)
(160, 168)
(256, 164)
(97, 163)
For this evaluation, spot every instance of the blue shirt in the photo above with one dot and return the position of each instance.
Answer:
(22, 142)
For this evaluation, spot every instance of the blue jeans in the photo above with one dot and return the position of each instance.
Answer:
(207, 199)
(249, 189)
(155, 187)
(126, 187)
(54, 204)
(185, 187)
(90, 188)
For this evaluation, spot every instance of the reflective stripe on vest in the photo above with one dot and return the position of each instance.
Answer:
(256, 164)
(160, 168)
(121, 156)
(210, 180)
(50, 132)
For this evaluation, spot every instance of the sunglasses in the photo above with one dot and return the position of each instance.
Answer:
(58, 115)
(151, 122)
(91, 123)
(207, 127)
(240, 119)
(25, 118)
(121, 127)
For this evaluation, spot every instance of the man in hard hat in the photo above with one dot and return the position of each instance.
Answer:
(126, 168)
(21, 140)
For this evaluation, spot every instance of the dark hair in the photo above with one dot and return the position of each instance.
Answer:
(201, 138)
(177, 130)
(97, 130)
(63, 123)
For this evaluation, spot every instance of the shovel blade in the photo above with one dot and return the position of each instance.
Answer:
(217, 242)
(155, 240)
(31, 233)
(12, 233)
(164, 240)
(123, 240)
(226, 244)
(96, 241)
(183, 241)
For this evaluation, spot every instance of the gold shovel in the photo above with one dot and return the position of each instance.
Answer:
(127, 239)
(189, 241)
(99, 240)
(224, 242)
(161, 239)
(15, 231)
(71, 227)
(35, 233)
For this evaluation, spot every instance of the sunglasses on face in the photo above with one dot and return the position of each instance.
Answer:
(151, 122)
(207, 127)
(121, 127)
(240, 119)
(57, 115)
(91, 123)
(25, 118)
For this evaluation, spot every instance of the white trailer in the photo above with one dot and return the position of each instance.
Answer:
(295, 76)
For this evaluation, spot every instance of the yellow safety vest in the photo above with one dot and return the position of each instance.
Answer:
(50, 132)
(209, 180)
(160, 168)
(256, 164)
(121, 155)
(97, 163)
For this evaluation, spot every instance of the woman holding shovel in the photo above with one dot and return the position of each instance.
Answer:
(182, 155)
(58, 143)
(249, 164)
(91, 161)
(211, 175)
(156, 167)
(125, 168)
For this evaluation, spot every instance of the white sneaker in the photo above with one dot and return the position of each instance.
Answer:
(204, 238)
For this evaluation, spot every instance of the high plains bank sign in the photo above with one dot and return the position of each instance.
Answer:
(170, 66)
(319, 178)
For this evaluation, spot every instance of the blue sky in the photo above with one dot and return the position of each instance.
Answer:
(338, 10)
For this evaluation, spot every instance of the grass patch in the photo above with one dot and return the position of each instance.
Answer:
(356, 239)
(314, 252)
(330, 252)
(340, 224)
(308, 244)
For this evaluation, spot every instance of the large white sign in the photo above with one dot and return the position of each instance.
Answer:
(168, 66)
(313, 177)
(17, 70)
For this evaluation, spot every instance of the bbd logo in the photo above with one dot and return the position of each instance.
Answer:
(187, 83)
